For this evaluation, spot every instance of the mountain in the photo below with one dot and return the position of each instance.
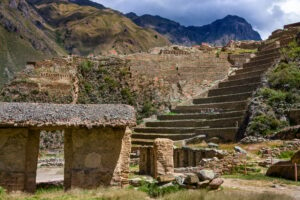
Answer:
(219, 32)
(38, 29)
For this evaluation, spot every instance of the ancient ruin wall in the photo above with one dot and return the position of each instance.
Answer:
(184, 74)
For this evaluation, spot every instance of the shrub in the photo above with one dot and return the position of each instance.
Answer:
(276, 98)
(86, 66)
(285, 77)
(291, 52)
(153, 190)
(286, 155)
(265, 125)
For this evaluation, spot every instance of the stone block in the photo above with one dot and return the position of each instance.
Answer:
(163, 157)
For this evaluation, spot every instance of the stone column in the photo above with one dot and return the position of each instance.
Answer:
(68, 155)
(32, 152)
(163, 157)
(18, 159)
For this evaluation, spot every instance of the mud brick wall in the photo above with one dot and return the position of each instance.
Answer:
(96, 157)
(18, 158)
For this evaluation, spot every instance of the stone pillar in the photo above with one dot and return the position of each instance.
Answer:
(18, 159)
(32, 152)
(163, 157)
(96, 157)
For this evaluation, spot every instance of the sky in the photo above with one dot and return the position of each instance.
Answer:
(264, 15)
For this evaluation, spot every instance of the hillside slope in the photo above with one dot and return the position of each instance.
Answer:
(84, 30)
(37, 29)
(219, 32)
(23, 38)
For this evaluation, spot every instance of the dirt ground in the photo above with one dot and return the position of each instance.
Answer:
(263, 186)
(56, 174)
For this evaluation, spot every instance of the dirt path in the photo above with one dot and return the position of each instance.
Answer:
(45, 175)
(263, 186)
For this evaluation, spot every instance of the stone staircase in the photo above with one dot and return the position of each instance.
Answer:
(223, 113)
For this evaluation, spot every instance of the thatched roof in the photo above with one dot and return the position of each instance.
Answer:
(65, 115)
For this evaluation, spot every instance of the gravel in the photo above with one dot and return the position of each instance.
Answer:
(67, 115)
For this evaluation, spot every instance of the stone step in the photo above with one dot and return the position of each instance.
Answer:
(252, 69)
(239, 82)
(224, 98)
(167, 130)
(153, 136)
(264, 57)
(266, 52)
(202, 116)
(246, 75)
(235, 105)
(269, 61)
(216, 123)
(225, 134)
(142, 142)
(233, 90)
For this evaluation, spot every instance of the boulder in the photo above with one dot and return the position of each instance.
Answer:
(206, 174)
(191, 179)
(215, 183)
(135, 182)
(195, 140)
(203, 184)
(166, 178)
(213, 145)
(240, 150)
(296, 158)
(286, 169)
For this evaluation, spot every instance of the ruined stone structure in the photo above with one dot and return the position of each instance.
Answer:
(90, 130)
(223, 113)
(176, 158)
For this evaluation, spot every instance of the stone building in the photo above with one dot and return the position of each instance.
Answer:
(97, 143)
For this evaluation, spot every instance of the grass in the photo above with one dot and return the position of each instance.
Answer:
(261, 177)
(97, 194)
(286, 155)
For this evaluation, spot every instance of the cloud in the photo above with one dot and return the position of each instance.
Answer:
(264, 15)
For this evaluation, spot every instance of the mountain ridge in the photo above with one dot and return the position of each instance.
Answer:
(219, 32)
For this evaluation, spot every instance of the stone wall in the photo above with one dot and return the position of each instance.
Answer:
(294, 116)
(96, 157)
(184, 75)
(18, 158)
(182, 158)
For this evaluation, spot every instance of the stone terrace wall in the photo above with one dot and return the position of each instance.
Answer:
(184, 74)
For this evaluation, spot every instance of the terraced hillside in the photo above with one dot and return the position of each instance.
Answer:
(223, 114)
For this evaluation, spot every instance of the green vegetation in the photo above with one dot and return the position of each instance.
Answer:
(287, 155)
(282, 94)
(153, 190)
(265, 124)
(86, 66)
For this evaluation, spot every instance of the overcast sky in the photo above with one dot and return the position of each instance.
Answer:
(264, 15)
